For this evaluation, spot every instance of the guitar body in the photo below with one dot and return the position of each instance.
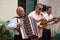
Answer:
(41, 26)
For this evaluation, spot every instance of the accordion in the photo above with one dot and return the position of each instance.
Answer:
(29, 27)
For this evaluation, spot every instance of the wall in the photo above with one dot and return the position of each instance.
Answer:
(7, 9)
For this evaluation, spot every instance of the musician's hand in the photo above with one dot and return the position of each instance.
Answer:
(50, 24)
(56, 21)
(19, 25)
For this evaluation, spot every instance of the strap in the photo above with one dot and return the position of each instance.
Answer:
(44, 17)
(18, 28)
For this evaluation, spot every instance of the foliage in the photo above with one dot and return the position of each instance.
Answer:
(5, 34)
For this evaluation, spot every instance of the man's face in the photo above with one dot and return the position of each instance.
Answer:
(49, 10)
(21, 12)
(39, 9)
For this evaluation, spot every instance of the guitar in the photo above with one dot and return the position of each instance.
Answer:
(43, 22)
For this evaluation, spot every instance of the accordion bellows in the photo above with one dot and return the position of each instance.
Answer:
(30, 27)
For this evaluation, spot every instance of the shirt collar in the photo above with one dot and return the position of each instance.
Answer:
(39, 14)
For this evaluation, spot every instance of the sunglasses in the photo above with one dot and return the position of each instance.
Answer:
(40, 8)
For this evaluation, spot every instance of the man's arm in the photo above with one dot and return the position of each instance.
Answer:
(54, 21)
(12, 24)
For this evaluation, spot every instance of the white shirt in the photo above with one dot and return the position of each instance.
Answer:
(36, 17)
(13, 24)
(48, 17)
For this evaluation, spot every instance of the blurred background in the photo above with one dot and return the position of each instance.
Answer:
(8, 11)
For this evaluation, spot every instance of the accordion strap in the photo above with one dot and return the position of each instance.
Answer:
(18, 28)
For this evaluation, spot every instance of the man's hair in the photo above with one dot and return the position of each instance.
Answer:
(38, 5)
(48, 7)
(45, 7)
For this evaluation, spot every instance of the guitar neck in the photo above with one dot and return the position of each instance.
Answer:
(50, 21)
(54, 19)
